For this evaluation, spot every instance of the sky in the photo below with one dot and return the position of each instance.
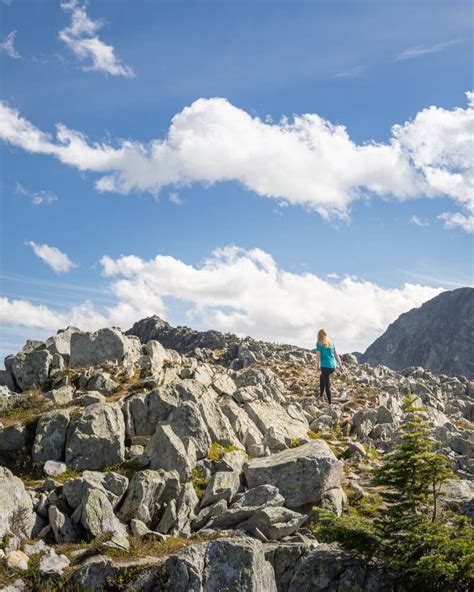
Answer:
(262, 167)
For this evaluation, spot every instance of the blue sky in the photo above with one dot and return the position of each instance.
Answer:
(291, 257)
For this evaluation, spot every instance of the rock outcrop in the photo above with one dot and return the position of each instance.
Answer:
(439, 335)
(208, 460)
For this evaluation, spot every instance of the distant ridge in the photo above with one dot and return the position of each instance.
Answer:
(439, 335)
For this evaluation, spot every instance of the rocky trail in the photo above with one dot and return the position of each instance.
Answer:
(170, 459)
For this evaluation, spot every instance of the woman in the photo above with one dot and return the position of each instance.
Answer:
(327, 360)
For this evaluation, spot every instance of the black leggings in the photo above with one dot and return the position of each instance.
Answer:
(325, 382)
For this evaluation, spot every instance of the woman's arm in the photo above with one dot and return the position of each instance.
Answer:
(339, 361)
(318, 361)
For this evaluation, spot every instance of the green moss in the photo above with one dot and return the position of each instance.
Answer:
(68, 474)
(199, 481)
(295, 443)
(127, 468)
(314, 435)
(217, 451)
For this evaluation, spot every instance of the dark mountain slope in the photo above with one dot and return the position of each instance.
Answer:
(439, 335)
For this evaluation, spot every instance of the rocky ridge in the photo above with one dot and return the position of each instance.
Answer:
(128, 465)
(439, 335)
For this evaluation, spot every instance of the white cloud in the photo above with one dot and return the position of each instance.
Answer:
(422, 50)
(240, 291)
(37, 198)
(8, 47)
(175, 199)
(53, 257)
(81, 38)
(354, 72)
(418, 221)
(307, 161)
(24, 313)
(458, 220)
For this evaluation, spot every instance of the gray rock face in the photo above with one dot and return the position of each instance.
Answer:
(188, 424)
(32, 369)
(166, 451)
(91, 349)
(222, 485)
(61, 396)
(438, 336)
(112, 484)
(142, 499)
(96, 438)
(223, 564)
(275, 523)
(182, 339)
(6, 379)
(97, 517)
(179, 512)
(301, 474)
(63, 527)
(328, 569)
(61, 342)
(144, 411)
(53, 565)
(50, 438)
(16, 507)
(13, 438)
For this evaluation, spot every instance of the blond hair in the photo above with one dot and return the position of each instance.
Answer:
(323, 338)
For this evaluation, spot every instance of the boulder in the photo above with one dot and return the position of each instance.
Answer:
(61, 342)
(113, 485)
(60, 396)
(32, 369)
(143, 412)
(50, 438)
(102, 382)
(166, 451)
(244, 428)
(89, 398)
(458, 494)
(274, 522)
(222, 485)
(91, 349)
(17, 560)
(96, 437)
(52, 468)
(188, 424)
(223, 564)
(301, 474)
(53, 565)
(328, 569)
(97, 517)
(7, 380)
(64, 529)
(279, 426)
(16, 506)
(157, 353)
(179, 512)
(253, 500)
(142, 499)
(14, 438)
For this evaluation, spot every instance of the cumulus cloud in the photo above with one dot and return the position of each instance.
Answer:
(58, 261)
(458, 220)
(80, 36)
(242, 291)
(306, 161)
(8, 47)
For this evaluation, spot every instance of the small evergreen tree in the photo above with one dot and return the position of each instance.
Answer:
(412, 475)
